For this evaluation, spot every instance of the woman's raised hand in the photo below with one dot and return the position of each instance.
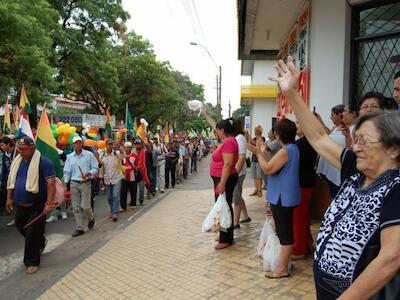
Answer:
(288, 76)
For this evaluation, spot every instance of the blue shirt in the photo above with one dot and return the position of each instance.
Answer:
(46, 171)
(285, 184)
(86, 161)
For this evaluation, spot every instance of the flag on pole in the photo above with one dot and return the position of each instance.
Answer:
(141, 131)
(7, 121)
(46, 144)
(108, 123)
(15, 114)
(166, 134)
(129, 120)
(23, 101)
(24, 126)
(134, 130)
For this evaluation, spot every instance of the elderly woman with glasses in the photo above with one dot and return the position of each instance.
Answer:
(358, 247)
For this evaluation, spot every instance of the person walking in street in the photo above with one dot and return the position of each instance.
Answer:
(140, 169)
(155, 153)
(195, 156)
(112, 175)
(129, 182)
(7, 148)
(79, 168)
(171, 160)
(161, 167)
(283, 192)
(186, 156)
(31, 187)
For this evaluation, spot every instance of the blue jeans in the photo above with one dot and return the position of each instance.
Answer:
(114, 196)
(153, 179)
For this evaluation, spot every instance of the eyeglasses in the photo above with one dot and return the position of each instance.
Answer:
(363, 143)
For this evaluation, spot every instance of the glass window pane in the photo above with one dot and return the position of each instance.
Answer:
(383, 19)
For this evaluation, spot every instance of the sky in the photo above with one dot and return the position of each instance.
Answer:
(171, 25)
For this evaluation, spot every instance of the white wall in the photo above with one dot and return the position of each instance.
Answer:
(262, 111)
(262, 70)
(329, 42)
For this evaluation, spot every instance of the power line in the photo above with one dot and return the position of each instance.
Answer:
(199, 23)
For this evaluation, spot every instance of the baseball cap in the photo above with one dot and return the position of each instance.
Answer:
(25, 142)
(128, 144)
(76, 138)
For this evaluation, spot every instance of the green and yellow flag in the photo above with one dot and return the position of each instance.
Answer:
(108, 123)
(23, 101)
(7, 120)
(46, 144)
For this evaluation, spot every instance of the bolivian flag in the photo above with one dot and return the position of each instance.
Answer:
(46, 144)
(23, 101)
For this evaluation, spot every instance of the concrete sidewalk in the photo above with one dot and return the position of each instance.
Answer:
(164, 255)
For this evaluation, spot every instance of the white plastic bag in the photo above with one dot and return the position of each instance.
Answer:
(195, 105)
(266, 231)
(219, 216)
(272, 248)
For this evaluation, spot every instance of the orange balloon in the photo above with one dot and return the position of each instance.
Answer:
(60, 124)
(64, 140)
(90, 143)
(101, 144)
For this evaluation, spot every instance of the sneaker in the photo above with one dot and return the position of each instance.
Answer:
(64, 215)
(114, 218)
(162, 191)
(51, 219)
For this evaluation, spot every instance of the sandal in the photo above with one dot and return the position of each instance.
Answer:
(273, 275)
(221, 246)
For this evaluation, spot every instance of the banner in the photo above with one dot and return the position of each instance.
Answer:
(296, 45)
(78, 119)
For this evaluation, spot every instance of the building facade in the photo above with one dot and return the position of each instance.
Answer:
(345, 48)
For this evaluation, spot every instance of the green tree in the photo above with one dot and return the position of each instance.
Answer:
(26, 29)
(241, 113)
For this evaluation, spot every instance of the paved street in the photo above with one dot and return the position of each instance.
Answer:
(164, 255)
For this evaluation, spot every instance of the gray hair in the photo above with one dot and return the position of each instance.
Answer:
(388, 125)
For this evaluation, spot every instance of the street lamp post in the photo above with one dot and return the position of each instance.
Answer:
(219, 77)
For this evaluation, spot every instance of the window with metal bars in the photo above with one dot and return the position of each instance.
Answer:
(375, 42)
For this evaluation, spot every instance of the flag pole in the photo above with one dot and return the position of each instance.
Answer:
(40, 121)
(126, 120)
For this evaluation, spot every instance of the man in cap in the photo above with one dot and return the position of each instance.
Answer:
(129, 182)
(112, 175)
(31, 187)
(80, 166)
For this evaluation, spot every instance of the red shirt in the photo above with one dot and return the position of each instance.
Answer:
(128, 162)
(229, 145)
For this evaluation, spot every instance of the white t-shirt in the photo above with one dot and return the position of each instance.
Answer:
(242, 143)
